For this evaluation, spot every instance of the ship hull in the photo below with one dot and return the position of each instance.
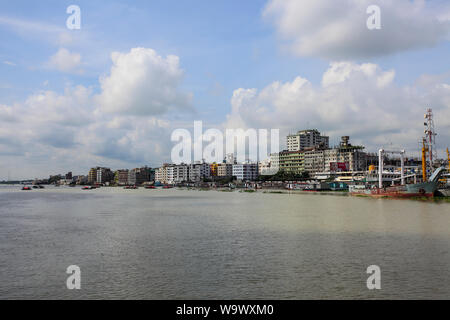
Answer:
(426, 189)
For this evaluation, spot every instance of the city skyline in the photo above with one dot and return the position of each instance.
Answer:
(111, 93)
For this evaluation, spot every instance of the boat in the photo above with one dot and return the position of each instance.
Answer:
(150, 187)
(88, 188)
(423, 189)
(26, 188)
(131, 187)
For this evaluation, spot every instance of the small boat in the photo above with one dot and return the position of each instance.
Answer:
(150, 187)
(35, 187)
(88, 188)
(130, 187)
(167, 187)
(41, 187)
(26, 188)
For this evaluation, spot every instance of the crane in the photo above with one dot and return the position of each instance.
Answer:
(448, 159)
(424, 159)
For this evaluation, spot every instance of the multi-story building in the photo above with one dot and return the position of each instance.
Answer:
(121, 177)
(81, 179)
(180, 173)
(275, 161)
(214, 167)
(161, 174)
(304, 139)
(225, 170)
(199, 171)
(264, 167)
(104, 175)
(138, 176)
(345, 157)
(292, 161)
(245, 171)
(92, 176)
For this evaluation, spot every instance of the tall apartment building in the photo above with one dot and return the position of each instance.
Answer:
(198, 171)
(214, 167)
(161, 174)
(180, 173)
(304, 139)
(121, 177)
(104, 175)
(292, 161)
(138, 176)
(225, 170)
(92, 175)
(245, 171)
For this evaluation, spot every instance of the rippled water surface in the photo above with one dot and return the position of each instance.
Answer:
(180, 244)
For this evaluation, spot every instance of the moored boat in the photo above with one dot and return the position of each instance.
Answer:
(423, 189)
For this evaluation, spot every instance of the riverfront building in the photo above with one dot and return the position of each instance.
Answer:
(138, 176)
(344, 157)
(305, 139)
(199, 171)
(292, 161)
(225, 170)
(121, 177)
(245, 171)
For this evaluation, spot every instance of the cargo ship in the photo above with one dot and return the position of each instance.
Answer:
(423, 189)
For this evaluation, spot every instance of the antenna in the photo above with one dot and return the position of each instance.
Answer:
(430, 137)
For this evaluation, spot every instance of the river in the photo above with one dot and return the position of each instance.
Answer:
(187, 244)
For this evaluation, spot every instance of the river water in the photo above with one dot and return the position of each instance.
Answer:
(181, 244)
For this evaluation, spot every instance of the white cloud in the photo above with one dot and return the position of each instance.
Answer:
(9, 63)
(337, 30)
(39, 30)
(143, 83)
(65, 61)
(71, 131)
(360, 100)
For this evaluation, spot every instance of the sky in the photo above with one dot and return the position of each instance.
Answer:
(111, 93)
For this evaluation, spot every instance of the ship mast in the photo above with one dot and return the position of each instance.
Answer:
(430, 138)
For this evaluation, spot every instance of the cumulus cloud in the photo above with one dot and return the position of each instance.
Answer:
(65, 61)
(78, 129)
(143, 83)
(337, 30)
(360, 100)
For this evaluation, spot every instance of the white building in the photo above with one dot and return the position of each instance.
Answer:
(306, 139)
(264, 167)
(180, 173)
(161, 174)
(245, 171)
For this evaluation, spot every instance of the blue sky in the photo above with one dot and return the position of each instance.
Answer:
(222, 46)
